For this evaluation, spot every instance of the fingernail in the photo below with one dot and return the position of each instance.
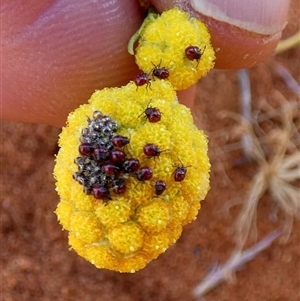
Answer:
(263, 17)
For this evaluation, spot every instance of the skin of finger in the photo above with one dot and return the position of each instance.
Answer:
(55, 55)
(235, 48)
(187, 97)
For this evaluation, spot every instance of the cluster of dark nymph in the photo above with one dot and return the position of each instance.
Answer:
(103, 166)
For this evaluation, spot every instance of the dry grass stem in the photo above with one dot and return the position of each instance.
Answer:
(275, 151)
(226, 271)
(288, 43)
(245, 100)
(288, 78)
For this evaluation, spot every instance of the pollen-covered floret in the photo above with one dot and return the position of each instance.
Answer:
(178, 43)
(115, 219)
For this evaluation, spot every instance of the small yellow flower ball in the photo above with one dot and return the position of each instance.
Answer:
(121, 217)
(177, 42)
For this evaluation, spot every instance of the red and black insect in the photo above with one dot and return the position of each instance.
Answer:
(180, 172)
(85, 149)
(131, 165)
(144, 173)
(151, 150)
(101, 192)
(120, 141)
(194, 53)
(152, 114)
(160, 186)
(117, 155)
(101, 153)
(142, 79)
(160, 72)
(110, 169)
(118, 186)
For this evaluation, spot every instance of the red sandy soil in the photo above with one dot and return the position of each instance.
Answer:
(37, 265)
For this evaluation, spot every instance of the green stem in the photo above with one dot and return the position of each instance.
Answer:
(151, 15)
(288, 43)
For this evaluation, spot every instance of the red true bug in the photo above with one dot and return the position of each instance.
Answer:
(180, 172)
(151, 150)
(117, 155)
(119, 141)
(131, 165)
(100, 192)
(118, 186)
(101, 153)
(142, 79)
(194, 53)
(152, 114)
(160, 72)
(160, 186)
(144, 173)
(110, 169)
(85, 149)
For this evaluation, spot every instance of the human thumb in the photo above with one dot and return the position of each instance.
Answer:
(244, 32)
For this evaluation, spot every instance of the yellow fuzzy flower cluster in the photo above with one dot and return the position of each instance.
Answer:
(131, 171)
(177, 42)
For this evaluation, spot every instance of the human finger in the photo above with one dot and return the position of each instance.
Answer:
(56, 53)
(244, 33)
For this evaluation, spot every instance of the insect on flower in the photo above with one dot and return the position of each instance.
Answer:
(180, 172)
(118, 186)
(97, 115)
(194, 53)
(120, 141)
(101, 153)
(152, 114)
(110, 169)
(160, 186)
(142, 79)
(151, 150)
(117, 155)
(160, 72)
(145, 173)
(101, 192)
(85, 149)
(77, 176)
(131, 165)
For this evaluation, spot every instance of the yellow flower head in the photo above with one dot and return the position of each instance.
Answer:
(131, 171)
(178, 43)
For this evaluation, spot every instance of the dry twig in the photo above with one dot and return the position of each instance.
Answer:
(226, 271)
